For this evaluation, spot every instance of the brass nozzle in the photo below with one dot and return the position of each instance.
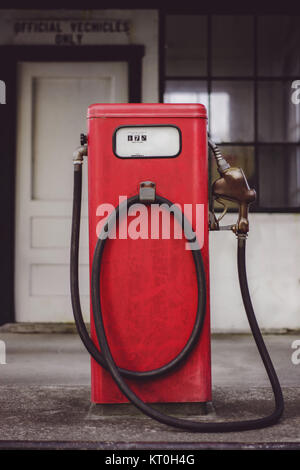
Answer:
(233, 186)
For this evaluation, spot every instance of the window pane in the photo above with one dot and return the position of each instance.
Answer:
(186, 91)
(278, 45)
(232, 111)
(239, 156)
(186, 41)
(232, 45)
(279, 176)
(278, 116)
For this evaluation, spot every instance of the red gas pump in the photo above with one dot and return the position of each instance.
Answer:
(148, 285)
(149, 265)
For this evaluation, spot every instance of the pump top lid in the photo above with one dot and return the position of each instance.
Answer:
(144, 110)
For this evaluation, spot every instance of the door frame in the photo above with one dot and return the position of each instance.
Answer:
(9, 58)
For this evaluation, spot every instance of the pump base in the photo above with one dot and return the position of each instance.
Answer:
(127, 409)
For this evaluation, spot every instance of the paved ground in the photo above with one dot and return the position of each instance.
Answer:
(45, 396)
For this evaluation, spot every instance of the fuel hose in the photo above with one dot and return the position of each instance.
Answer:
(105, 359)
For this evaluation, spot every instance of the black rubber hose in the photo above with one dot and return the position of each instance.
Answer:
(117, 375)
(80, 324)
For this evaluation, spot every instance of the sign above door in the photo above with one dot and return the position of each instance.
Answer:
(72, 32)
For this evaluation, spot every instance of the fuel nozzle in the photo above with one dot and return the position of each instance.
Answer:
(232, 186)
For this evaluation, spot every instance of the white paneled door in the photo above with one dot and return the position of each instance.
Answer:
(52, 103)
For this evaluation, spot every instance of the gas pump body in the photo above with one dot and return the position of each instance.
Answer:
(148, 284)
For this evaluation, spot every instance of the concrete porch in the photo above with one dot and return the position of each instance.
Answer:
(45, 397)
